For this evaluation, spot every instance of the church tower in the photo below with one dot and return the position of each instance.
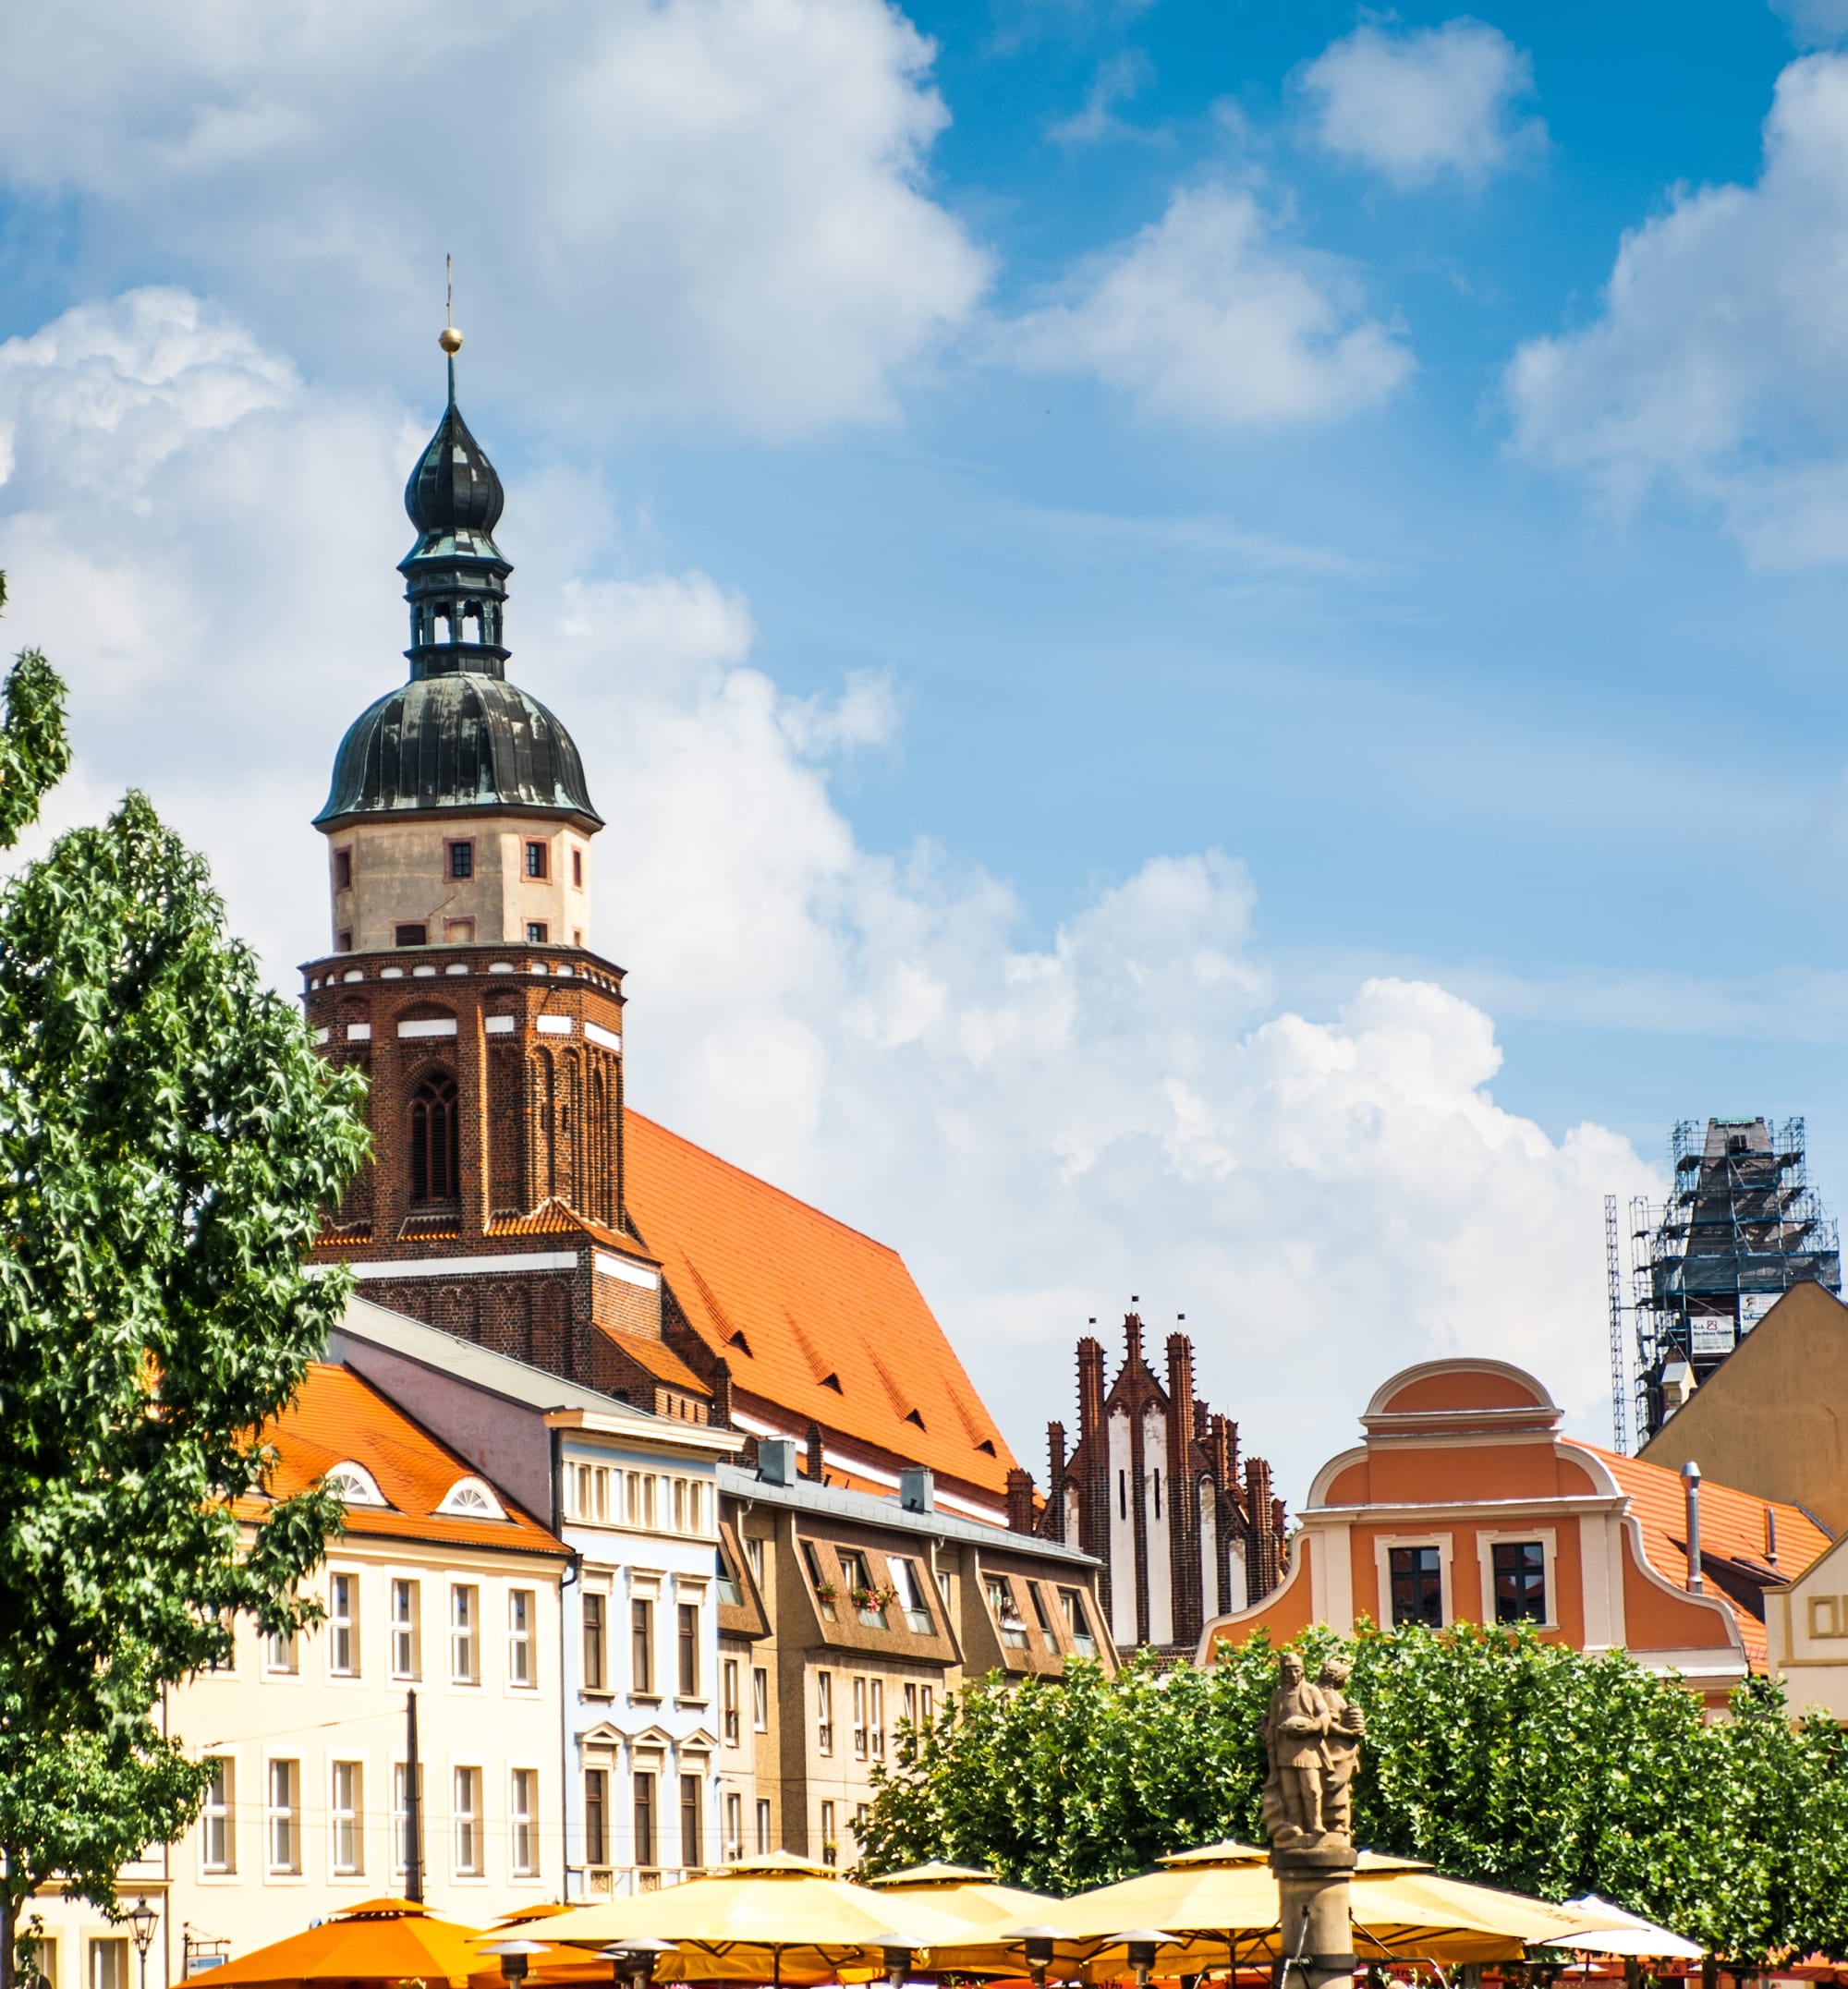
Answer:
(462, 981)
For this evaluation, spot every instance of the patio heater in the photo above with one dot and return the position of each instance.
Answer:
(633, 1961)
(1139, 1945)
(1037, 1943)
(515, 1955)
(898, 1961)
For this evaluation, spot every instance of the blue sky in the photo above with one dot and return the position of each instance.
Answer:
(1004, 448)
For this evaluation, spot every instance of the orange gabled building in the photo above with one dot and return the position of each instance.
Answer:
(1465, 1502)
(824, 1334)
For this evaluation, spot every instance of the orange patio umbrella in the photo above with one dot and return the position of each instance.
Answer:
(379, 1940)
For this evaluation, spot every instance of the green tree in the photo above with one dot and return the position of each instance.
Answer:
(167, 1138)
(1492, 1753)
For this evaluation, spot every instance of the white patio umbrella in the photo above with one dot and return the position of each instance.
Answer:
(1632, 1935)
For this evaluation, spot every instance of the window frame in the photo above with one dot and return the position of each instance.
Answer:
(352, 1818)
(686, 1650)
(597, 1817)
(1384, 1547)
(1547, 1538)
(342, 1626)
(522, 1608)
(282, 1772)
(522, 1822)
(465, 1633)
(641, 1647)
(538, 851)
(467, 1860)
(595, 1625)
(464, 847)
(406, 1631)
(218, 1812)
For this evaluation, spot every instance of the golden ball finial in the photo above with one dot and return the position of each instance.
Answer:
(450, 339)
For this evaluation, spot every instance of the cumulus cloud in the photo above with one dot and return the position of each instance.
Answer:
(712, 208)
(1043, 1125)
(1212, 314)
(1815, 23)
(1715, 367)
(1416, 103)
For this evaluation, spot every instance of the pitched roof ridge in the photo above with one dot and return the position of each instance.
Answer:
(770, 1187)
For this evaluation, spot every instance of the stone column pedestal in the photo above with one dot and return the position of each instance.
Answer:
(1315, 1926)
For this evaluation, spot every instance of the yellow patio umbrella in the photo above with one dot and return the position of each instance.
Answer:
(963, 1891)
(754, 1920)
(379, 1940)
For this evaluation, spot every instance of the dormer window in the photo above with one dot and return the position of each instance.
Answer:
(471, 1499)
(356, 1485)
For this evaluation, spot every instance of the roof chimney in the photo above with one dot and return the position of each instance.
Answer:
(1019, 1501)
(1770, 1536)
(916, 1489)
(776, 1459)
(1690, 1479)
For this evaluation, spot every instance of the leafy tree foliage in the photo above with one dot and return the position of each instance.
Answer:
(167, 1138)
(1491, 1754)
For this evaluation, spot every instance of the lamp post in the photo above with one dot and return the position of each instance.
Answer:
(143, 1920)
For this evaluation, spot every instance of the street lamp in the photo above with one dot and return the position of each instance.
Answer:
(514, 1955)
(142, 1921)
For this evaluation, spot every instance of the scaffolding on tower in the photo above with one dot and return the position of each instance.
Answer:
(1740, 1226)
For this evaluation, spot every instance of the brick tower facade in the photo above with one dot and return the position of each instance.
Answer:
(459, 833)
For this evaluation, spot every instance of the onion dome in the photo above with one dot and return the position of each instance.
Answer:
(458, 739)
(457, 735)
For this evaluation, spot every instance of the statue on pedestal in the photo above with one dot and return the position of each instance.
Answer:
(1313, 1736)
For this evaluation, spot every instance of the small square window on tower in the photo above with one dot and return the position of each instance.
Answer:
(577, 868)
(343, 942)
(410, 936)
(459, 931)
(536, 931)
(461, 859)
(536, 860)
(343, 870)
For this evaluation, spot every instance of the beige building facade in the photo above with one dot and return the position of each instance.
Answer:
(844, 1614)
(1807, 1625)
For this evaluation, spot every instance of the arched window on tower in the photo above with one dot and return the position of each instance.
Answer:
(435, 1172)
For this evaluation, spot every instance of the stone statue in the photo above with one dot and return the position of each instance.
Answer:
(1341, 1749)
(1295, 1725)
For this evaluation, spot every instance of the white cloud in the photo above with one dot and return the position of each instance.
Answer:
(1211, 315)
(1418, 103)
(698, 208)
(1117, 80)
(1814, 23)
(1716, 366)
(1042, 1127)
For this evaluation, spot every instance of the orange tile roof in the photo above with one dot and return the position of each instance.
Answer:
(798, 1302)
(659, 1359)
(1732, 1526)
(337, 1417)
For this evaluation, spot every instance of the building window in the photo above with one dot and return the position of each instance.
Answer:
(577, 868)
(464, 1657)
(536, 931)
(688, 1678)
(1158, 1495)
(465, 1816)
(1077, 1624)
(217, 1830)
(347, 1812)
(1041, 1614)
(461, 859)
(404, 1630)
(42, 1958)
(343, 941)
(435, 1124)
(1006, 1614)
(876, 1716)
(754, 1554)
(859, 1719)
(410, 934)
(459, 931)
(910, 1595)
(538, 860)
(1418, 1586)
(831, 1850)
(596, 1817)
(279, 1655)
(519, 1636)
(522, 1801)
(641, 1647)
(1123, 1494)
(734, 1828)
(283, 1816)
(729, 1700)
(824, 1711)
(596, 1667)
(343, 870)
(1520, 1582)
(692, 1848)
(823, 1587)
(928, 1703)
(588, 1493)
(910, 1705)
(762, 1828)
(644, 1819)
(759, 1700)
(109, 1963)
(342, 1626)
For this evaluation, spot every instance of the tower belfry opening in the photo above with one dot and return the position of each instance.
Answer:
(1741, 1226)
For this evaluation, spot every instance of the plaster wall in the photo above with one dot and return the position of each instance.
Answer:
(1806, 1627)
(1158, 1496)
(401, 875)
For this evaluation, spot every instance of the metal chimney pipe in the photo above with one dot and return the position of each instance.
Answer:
(1690, 1479)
